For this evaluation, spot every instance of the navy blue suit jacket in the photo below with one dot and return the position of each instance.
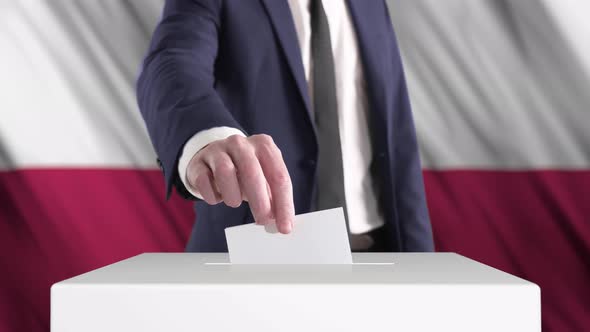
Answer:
(237, 63)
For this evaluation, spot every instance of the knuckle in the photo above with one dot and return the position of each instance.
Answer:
(259, 207)
(192, 173)
(209, 200)
(238, 145)
(225, 168)
(279, 152)
(231, 194)
(280, 180)
(201, 182)
(236, 140)
(201, 153)
(210, 148)
(234, 203)
(196, 158)
(264, 140)
(249, 171)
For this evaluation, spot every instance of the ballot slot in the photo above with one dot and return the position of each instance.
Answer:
(360, 259)
(360, 270)
(353, 263)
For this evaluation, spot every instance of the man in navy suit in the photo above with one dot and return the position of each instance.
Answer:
(263, 109)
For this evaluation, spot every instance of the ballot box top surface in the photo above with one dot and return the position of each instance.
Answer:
(368, 268)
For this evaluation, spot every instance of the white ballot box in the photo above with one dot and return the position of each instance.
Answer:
(379, 292)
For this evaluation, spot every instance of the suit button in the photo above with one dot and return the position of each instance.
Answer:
(308, 163)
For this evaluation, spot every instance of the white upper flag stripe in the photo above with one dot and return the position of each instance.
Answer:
(68, 77)
(494, 85)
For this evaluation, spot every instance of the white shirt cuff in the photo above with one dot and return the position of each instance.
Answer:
(195, 144)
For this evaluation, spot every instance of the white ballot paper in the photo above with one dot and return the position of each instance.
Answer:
(317, 238)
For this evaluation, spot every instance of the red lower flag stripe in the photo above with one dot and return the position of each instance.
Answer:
(533, 224)
(55, 224)
(58, 223)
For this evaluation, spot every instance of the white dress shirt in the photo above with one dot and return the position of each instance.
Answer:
(357, 153)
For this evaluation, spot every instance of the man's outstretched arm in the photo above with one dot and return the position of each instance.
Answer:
(177, 99)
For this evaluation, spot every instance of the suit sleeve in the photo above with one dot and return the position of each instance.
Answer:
(175, 90)
(410, 197)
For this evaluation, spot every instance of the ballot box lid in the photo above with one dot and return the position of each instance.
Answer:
(368, 268)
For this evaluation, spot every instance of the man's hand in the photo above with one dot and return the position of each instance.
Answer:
(249, 169)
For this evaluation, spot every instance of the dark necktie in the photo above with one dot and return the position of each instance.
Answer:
(330, 190)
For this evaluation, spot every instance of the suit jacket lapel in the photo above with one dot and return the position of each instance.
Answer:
(370, 41)
(282, 21)
(372, 36)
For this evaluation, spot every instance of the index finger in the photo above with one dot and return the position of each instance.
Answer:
(279, 181)
(251, 179)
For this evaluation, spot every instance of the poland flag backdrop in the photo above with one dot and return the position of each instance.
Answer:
(501, 97)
